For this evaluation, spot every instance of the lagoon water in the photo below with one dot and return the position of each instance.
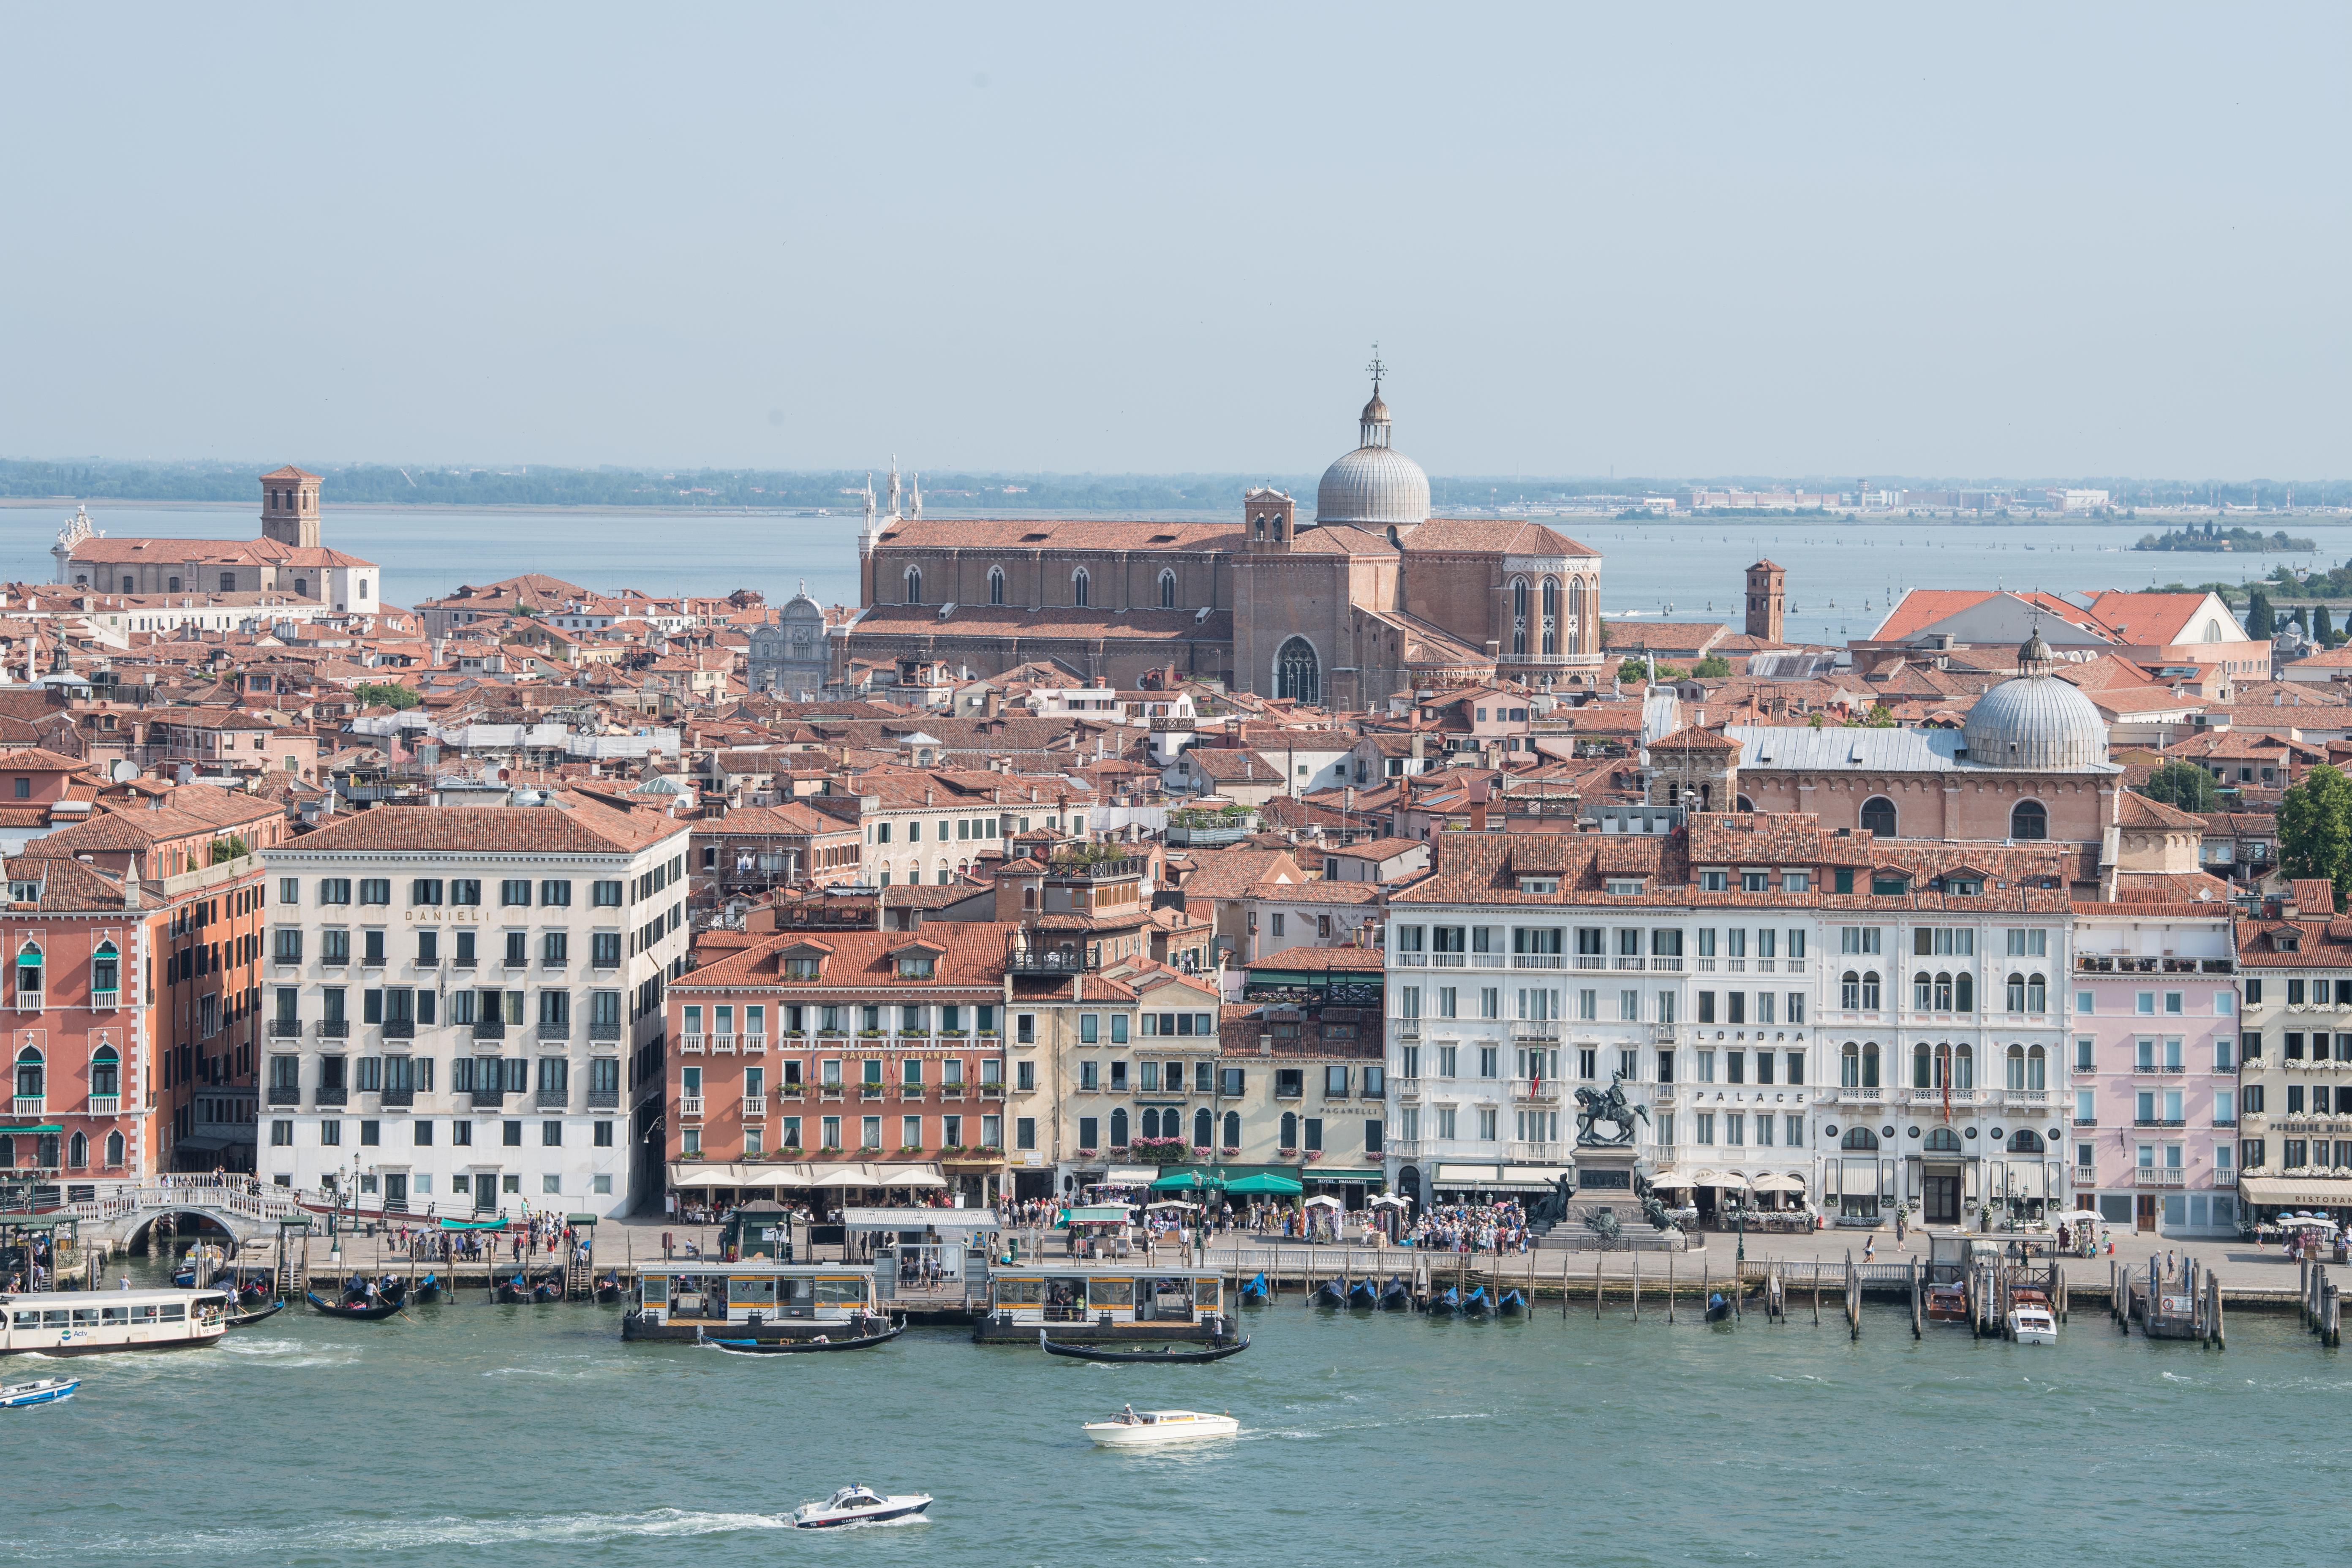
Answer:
(518, 1436)
(1841, 575)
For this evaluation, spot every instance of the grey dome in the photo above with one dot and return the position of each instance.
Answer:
(1373, 487)
(2037, 722)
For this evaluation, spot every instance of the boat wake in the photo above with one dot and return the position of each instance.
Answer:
(348, 1540)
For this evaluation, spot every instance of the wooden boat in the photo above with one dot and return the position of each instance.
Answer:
(1332, 1292)
(1946, 1304)
(519, 1291)
(1171, 1355)
(1396, 1295)
(805, 1347)
(1255, 1292)
(47, 1391)
(1363, 1295)
(361, 1311)
(1718, 1307)
(608, 1289)
(1512, 1305)
(1445, 1303)
(1477, 1304)
(427, 1290)
(247, 1319)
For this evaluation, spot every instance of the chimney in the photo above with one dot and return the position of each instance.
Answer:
(1417, 745)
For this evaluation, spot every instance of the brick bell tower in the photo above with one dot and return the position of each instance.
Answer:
(289, 507)
(1767, 592)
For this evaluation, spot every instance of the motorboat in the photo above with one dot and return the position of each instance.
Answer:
(1133, 1428)
(858, 1505)
(1946, 1304)
(83, 1323)
(47, 1391)
(2031, 1320)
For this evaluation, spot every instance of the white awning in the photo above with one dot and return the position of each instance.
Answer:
(1779, 1181)
(1465, 1175)
(941, 1220)
(2300, 1192)
(927, 1175)
(1130, 1175)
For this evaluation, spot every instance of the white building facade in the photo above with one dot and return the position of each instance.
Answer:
(464, 1004)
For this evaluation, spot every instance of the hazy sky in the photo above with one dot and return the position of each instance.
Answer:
(1669, 239)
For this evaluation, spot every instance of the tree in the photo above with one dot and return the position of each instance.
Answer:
(2183, 784)
(2262, 624)
(385, 694)
(2321, 632)
(1714, 667)
(1882, 717)
(1632, 670)
(2314, 828)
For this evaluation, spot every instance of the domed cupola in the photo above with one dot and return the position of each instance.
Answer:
(1375, 486)
(2035, 722)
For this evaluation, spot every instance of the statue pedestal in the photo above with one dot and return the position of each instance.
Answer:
(1604, 1179)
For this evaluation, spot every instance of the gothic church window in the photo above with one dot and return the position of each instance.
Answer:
(1080, 586)
(1518, 617)
(1296, 673)
(914, 585)
(1550, 616)
(1167, 590)
(996, 584)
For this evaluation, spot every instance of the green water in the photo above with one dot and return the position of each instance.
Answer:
(520, 1436)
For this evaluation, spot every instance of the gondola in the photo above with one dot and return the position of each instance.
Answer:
(1718, 1307)
(1256, 1290)
(608, 1289)
(1512, 1305)
(247, 1319)
(1332, 1292)
(1396, 1295)
(428, 1289)
(1363, 1295)
(1445, 1303)
(805, 1347)
(519, 1291)
(1477, 1304)
(343, 1309)
(1172, 1355)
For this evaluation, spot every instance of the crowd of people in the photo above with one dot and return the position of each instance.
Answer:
(535, 1233)
(1470, 1228)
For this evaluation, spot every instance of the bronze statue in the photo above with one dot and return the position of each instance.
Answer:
(1552, 1207)
(1610, 1105)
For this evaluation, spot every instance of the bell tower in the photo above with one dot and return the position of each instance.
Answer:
(1766, 589)
(1270, 517)
(289, 507)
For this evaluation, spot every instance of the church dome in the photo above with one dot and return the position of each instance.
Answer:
(2036, 721)
(1375, 486)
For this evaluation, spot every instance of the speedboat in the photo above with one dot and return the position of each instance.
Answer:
(2031, 1320)
(47, 1391)
(1133, 1428)
(857, 1505)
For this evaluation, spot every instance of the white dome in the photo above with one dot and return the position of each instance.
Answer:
(1373, 487)
(2036, 722)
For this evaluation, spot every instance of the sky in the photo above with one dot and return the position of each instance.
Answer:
(1658, 240)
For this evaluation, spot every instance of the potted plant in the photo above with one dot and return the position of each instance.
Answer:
(1085, 1153)
(869, 1149)
(1314, 1154)
(1119, 1150)
(911, 1151)
(1231, 1151)
(1199, 1153)
(1286, 1155)
(830, 1149)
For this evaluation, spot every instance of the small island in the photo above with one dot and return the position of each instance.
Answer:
(2233, 541)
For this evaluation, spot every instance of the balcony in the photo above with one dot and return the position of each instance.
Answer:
(689, 1105)
(285, 1094)
(2150, 1069)
(1408, 959)
(1551, 961)
(869, 1092)
(490, 1099)
(1447, 960)
(1543, 1090)
(554, 1029)
(1667, 965)
(105, 1001)
(1050, 960)
(553, 1098)
(605, 1031)
(400, 1028)
(1408, 1090)
(1535, 1030)
(722, 1045)
(1858, 1094)
(105, 1105)
(1540, 1152)
(1583, 961)
(31, 1001)
(689, 1045)
(828, 1091)
(2158, 1121)
(2228, 1178)
(952, 1092)
(2020, 1098)
(996, 1092)
(1631, 961)
(1412, 1148)
(1408, 1028)
(603, 1100)
(334, 1028)
(340, 1094)
(791, 1092)
(2159, 1176)
(285, 1028)
(755, 1107)
(755, 1045)
(28, 1104)
(399, 1097)
(489, 1029)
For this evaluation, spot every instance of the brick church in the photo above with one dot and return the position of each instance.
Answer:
(1370, 596)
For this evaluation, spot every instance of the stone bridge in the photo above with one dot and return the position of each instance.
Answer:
(124, 1218)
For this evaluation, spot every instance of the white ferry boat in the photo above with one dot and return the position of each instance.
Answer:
(1133, 1428)
(88, 1322)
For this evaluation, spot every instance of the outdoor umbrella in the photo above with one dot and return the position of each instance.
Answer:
(1322, 1201)
(1777, 1183)
(1264, 1184)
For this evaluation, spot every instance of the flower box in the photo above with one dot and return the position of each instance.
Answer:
(909, 1151)
(830, 1149)
(1231, 1151)
(987, 1034)
(869, 1148)
(869, 1033)
(1199, 1152)
(1287, 1153)
(951, 1034)
(1085, 1153)
(1314, 1154)
(1118, 1152)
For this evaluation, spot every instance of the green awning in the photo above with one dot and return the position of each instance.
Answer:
(473, 1225)
(578, 1219)
(1181, 1182)
(1264, 1184)
(10, 1131)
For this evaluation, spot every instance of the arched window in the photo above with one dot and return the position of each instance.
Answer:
(914, 585)
(1081, 586)
(1573, 619)
(1943, 1141)
(1233, 1129)
(1296, 673)
(1850, 991)
(105, 968)
(1849, 1067)
(1923, 991)
(7, 1153)
(1551, 615)
(996, 584)
(105, 1072)
(1744, 803)
(301, 587)
(1150, 1122)
(1859, 1138)
(2028, 820)
(2025, 1141)
(2037, 993)
(1964, 1066)
(1118, 1128)
(1870, 1065)
(2037, 1068)
(78, 1152)
(2016, 992)
(1260, 528)
(114, 1149)
(1167, 590)
(1870, 991)
(1518, 617)
(1203, 1129)
(1964, 994)
(1943, 992)
(2013, 1067)
(29, 974)
(1290, 1131)
(1878, 816)
(31, 1080)
(1922, 1066)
